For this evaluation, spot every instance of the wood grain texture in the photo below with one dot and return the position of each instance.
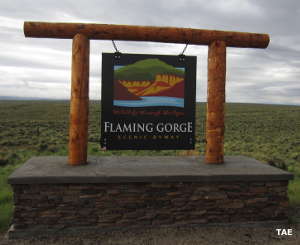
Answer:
(145, 33)
(78, 132)
(214, 152)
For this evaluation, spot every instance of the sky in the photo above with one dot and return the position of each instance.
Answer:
(40, 67)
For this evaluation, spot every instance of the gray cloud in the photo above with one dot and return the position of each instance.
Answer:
(42, 66)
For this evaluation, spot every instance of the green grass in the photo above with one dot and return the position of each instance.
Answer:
(270, 133)
(6, 196)
(294, 192)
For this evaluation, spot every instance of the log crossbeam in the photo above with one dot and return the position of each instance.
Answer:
(145, 33)
(217, 42)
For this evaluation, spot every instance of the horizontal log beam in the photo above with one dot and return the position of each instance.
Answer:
(145, 33)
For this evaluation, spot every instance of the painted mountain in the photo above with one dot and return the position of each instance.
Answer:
(148, 82)
(122, 93)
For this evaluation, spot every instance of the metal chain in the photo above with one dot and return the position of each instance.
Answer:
(117, 53)
(115, 46)
(182, 53)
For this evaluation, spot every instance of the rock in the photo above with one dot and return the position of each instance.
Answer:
(258, 189)
(233, 205)
(128, 205)
(257, 200)
(215, 196)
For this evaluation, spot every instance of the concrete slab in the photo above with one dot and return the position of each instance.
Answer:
(123, 169)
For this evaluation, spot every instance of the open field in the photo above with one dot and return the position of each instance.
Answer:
(270, 133)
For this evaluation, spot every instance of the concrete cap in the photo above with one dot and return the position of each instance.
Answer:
(128, 169)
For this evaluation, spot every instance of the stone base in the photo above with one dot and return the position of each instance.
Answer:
(132, 192)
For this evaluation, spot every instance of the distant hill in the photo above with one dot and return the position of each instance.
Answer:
(24, 98)
(146, 70)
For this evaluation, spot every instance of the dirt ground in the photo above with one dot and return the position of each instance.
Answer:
(176, 236)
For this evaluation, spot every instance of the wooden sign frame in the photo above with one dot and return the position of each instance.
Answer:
(217, 42)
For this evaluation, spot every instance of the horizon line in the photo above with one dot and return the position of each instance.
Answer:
(16, 98)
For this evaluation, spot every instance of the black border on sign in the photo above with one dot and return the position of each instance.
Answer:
(109, 60)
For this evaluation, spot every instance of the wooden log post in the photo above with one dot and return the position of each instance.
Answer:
(215, 102)
(78, 131)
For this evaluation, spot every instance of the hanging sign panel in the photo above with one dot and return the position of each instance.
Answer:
(148, 101)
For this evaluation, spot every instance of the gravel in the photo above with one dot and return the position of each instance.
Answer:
(174, 236)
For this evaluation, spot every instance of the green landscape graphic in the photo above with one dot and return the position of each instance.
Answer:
(149, 82)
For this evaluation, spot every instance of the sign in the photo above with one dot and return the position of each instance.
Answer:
(148, 101)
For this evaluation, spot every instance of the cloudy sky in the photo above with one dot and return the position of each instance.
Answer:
(33, 67)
